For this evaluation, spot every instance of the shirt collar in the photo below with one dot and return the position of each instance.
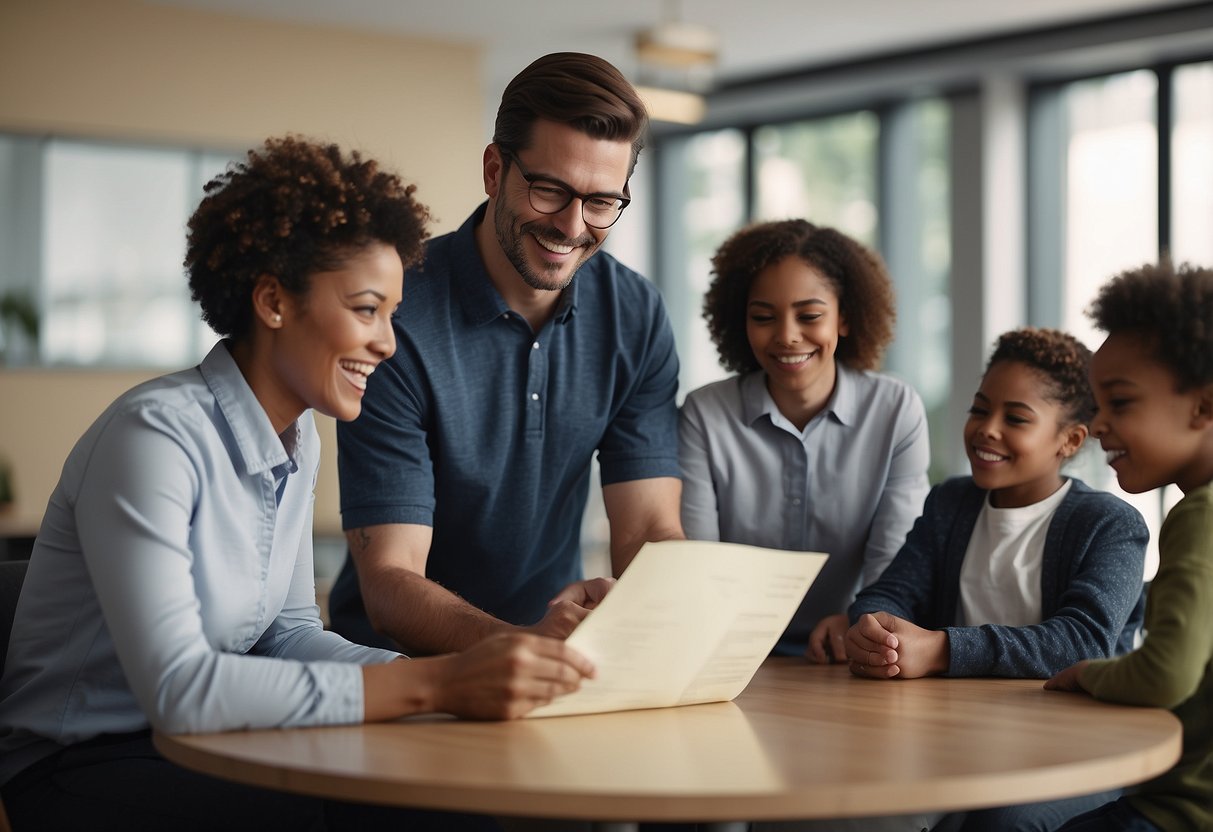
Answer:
(260, 449)
(756, 399)
(478, 296)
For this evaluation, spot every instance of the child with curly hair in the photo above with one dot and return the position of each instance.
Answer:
(1153, 379)
(1016, 570)
(806, 448)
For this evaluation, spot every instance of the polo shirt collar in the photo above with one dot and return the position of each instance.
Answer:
(259, 448)
(478, 296)
(756, 400)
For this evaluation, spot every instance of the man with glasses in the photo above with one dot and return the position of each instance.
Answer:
(522, 351)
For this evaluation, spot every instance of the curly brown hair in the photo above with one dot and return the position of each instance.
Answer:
(1060, 359)
(858, 275)
(573, 88)
(291, 209)
(1172, 309)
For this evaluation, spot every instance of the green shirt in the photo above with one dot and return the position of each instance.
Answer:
(1173, 668)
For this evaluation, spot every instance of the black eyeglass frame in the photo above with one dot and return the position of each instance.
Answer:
(531, 179)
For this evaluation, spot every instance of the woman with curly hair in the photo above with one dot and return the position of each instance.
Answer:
(806, 448)
(1017, 570)
(171, 585)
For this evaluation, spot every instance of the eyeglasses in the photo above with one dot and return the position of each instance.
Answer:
(551, 196)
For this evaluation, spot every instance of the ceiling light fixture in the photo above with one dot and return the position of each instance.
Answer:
(675, 106)
(678, 45)
(676, 63)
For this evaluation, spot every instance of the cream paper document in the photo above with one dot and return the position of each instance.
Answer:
(688, 622)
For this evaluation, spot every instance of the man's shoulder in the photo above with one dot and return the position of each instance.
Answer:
(437, 263)
(717, 397)
(604, 276)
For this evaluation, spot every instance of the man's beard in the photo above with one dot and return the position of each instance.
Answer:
(511, 236)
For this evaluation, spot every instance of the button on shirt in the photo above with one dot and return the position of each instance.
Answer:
(172, 573)
(485, 429)
(850, 484)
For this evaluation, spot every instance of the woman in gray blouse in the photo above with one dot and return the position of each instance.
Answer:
(806, 448)
(171, 584)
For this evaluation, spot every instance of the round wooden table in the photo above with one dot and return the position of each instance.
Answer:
(802, 741)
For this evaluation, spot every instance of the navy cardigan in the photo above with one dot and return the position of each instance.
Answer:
(1091, 590)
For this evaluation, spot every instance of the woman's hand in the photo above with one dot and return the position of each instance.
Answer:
(827, 642)
(502, 677)
(507, 676)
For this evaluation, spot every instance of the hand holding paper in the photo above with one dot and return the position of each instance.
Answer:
(688, 622)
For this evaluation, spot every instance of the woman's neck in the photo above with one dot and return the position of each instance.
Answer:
(255, 364)
(800, 406)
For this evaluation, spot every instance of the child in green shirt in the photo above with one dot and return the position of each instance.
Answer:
(1153, 382)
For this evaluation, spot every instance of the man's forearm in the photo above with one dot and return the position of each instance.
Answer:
(623, 550)
(640, 511)
(422, 616)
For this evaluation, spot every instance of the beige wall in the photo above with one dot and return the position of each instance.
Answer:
(120, 69)
(129, 70)
(44, 413)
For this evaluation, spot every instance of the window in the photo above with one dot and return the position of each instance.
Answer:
(916, 242)
(823, 170)
(102, 259)
(1192, 165)
(1127, 158)
(1110, 194)
(1111, 187)
(705, 184)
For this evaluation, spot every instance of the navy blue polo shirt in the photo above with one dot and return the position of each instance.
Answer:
(484, 429)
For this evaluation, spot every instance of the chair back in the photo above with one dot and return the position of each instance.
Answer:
(12, 575)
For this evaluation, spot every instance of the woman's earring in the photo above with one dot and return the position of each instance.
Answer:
(277, 319)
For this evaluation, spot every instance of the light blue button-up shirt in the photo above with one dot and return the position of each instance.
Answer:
(850, 485)
(172, 578)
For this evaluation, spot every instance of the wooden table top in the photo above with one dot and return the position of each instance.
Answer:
(802, 741)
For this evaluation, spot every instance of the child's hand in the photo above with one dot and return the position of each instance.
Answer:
(872, 646)
(920, 652)
(827, 642)
(888, 646)
(1068, 678)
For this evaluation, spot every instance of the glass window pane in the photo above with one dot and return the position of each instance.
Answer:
(1192, 165)
(1111, 222)
(709, 207)
(823, 170)
(112, 251)
(924, 295)
(20, 273)
(1111, 211)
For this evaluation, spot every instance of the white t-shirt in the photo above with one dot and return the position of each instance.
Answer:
(1000, 576)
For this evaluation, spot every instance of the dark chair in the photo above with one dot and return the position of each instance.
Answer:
(12, 575)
